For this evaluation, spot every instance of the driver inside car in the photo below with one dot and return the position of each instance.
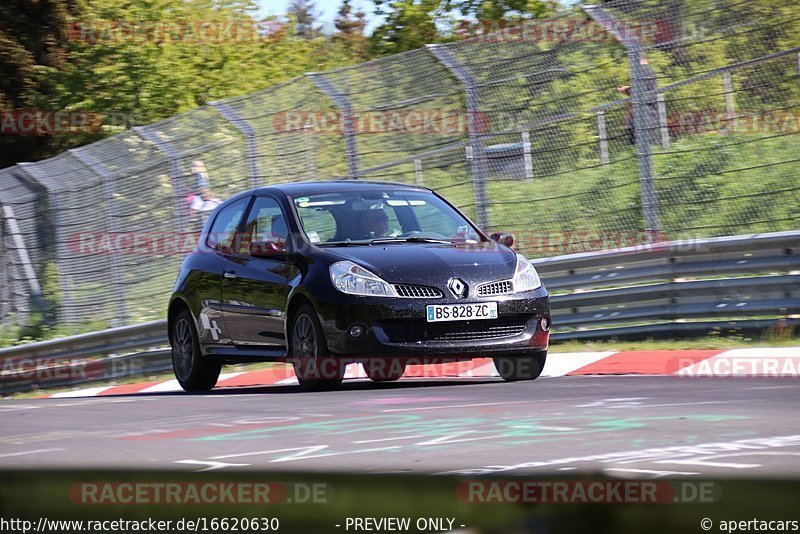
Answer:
(376, 223)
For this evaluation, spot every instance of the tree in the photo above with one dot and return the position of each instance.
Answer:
(132, 78)
(32, 38)
(351, 30)
(305, 15)
(410, 24)
(493, 10)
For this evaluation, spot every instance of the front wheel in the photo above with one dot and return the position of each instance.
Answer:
(527, 367)
(194, 373)
(313, 367)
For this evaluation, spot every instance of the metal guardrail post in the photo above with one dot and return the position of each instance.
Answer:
(246, 129)
(476, 152)
(117, 275)
(643, 99)
(348, 120)
(175, 174)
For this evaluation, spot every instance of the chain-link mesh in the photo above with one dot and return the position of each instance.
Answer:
(678, 120)
(725, 155)
(287, 121)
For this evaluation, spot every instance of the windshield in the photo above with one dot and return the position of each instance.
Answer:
(362, 217)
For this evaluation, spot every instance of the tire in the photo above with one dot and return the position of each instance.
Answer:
(194, 373)
(384, 370)
(315, 369)
(527, 367)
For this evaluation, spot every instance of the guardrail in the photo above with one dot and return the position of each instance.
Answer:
(741, 284)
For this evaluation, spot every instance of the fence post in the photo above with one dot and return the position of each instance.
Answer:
(5, 274)
(730, 112)
(175, 174)
(662, 120)
(108, 191)
(24, 259)
(601, 133)
(66, 309)
(6, 279)
(246, 129)
(348, 120)
(476, 153)
(418, 172)
(526, 155)
(644, 101)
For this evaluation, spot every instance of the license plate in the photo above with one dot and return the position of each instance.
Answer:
(461, 312)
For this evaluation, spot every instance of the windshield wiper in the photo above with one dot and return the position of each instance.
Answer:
(410, 239)
(345, 244)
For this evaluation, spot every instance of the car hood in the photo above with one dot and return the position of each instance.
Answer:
(433, 263)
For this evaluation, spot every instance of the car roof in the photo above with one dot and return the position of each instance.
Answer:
(334, 186)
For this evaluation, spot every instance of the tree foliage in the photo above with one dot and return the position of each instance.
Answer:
(32, 38)
(350, 29)
(305, 16)
(135, 63)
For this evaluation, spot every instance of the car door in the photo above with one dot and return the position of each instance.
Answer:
(256, 289)
(208, 279)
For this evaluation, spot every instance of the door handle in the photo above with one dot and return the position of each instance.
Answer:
(229, 274)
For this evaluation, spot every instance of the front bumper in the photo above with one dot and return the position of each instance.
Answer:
(397, 327)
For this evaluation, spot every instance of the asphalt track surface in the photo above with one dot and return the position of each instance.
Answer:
(626, 426)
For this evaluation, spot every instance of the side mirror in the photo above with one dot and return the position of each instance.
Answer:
(503, 238)
(265, 249)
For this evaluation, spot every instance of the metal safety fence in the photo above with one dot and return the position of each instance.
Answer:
(620, 123)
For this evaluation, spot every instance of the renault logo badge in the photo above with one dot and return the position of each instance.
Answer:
(457, 287)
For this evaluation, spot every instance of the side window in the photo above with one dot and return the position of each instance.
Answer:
(266, 222)
(222, 235)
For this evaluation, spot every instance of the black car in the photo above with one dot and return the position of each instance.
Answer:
(328, 273)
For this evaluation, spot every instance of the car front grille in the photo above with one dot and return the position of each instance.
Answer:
(408, 291)
(495, 288)
(413, 330)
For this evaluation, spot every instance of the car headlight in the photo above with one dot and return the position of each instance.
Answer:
(525, 278)
(351, 278)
